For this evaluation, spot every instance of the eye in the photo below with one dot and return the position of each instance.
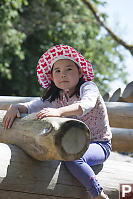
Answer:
(57, 71)
(69, 69)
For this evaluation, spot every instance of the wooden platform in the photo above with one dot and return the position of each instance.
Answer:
(31, 179)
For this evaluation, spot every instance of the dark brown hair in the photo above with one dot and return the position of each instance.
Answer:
(52, 92)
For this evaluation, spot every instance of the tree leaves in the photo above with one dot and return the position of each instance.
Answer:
(29, 28)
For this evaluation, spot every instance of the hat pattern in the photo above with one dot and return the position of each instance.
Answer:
(55, 53)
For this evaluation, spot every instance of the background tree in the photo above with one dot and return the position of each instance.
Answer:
(103, 24)
(29, 28)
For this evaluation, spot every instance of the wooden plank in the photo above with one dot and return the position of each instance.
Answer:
(19, 195)
(29, 175)
(49, 178)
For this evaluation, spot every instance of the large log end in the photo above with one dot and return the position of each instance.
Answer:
(47, 139)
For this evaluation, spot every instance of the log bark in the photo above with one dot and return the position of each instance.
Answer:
(49, 138)
(120, 114)
(27, 178)
(122, 139)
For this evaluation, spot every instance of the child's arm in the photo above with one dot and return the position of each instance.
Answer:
(13, 112)
(88, 94)
(73, 109)
(70, 110)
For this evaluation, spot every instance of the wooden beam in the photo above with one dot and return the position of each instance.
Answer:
(122, 139)
(28, 178)
(120, 114)
(6, 101)
(49, 138)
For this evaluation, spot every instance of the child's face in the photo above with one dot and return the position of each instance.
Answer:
(66, 74)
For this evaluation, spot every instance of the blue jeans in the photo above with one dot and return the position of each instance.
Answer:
(96, 153)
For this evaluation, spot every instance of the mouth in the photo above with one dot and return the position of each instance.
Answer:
(63, 81)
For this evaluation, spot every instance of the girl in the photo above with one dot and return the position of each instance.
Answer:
(70, 92)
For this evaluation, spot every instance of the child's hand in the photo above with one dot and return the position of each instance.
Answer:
(10, 116)
(48, 112)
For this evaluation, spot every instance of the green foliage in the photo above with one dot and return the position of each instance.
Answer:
(11, 39)
(29, 28)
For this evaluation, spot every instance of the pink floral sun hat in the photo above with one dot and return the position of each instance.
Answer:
(55, 53)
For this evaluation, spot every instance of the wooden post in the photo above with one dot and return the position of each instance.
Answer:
(106, 97)
(127, 95)
(116, 95)
(49, 138)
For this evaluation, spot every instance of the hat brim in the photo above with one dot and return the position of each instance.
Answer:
(56, 53)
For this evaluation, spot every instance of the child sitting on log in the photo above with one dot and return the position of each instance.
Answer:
(70, 92)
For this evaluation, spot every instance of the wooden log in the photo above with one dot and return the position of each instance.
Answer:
(122, 139)
(6, 101)
(120, 114)
(49, 138)
(127, 95)
(28, 178)
(116, 95)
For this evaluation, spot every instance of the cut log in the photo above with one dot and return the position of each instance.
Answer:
(120, 114)
(127, 95)
(49, 138)
(6, 101)
(122, 139)
(28, 178)
(116, 95)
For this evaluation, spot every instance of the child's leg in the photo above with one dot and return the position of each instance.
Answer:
(83, 172)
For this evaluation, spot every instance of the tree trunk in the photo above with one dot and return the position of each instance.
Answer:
(101, 23)
(47, 139)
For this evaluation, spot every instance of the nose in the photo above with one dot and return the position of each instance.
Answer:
(63, 74)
